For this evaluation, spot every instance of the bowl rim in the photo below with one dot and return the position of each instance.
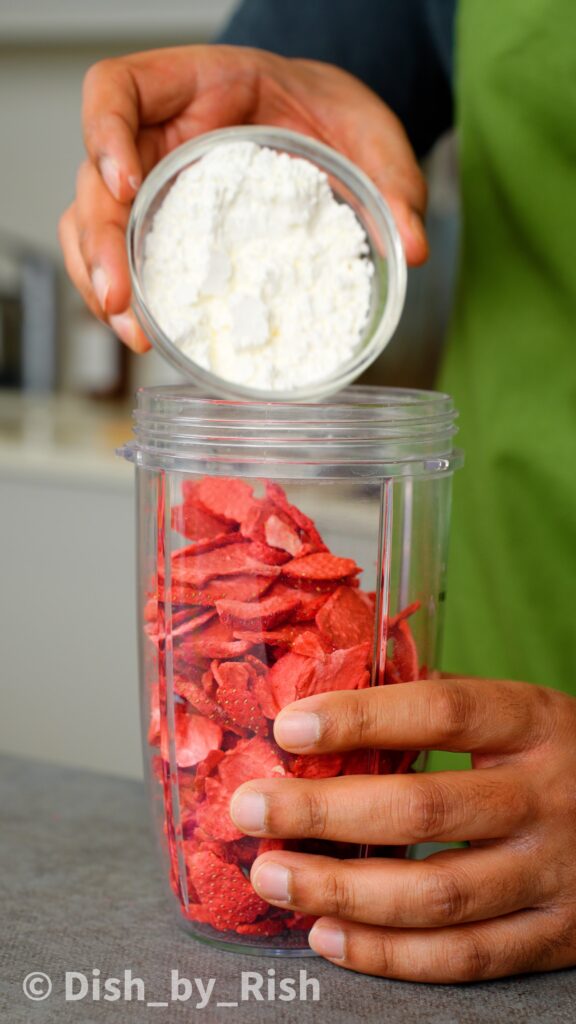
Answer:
(359, 185)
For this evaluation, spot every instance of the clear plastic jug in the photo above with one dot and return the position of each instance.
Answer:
(284, 550)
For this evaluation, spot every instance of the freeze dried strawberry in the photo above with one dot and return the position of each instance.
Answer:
(204, 769)
(347, 618)
(266, 699)
(213, 813)
(404, 613)
(197, 912)
(191, 624)
(226, 498)
(185, 623)
(316, 766)
(359, 762)
(188, 797)
(254, 758)
(268, 845)
(225, 891)
(196, 695)
(310, 602)
(194, 737)
(310, 643)
(235, 696)
(261, 615)
(279, 534)
(320, 566)
(268, 927)
(216, 640)
(259, 667)
(294, 676)
(199, 547)
(242, 851)
(193, 522)
(270, 556)
(294, 638)
(302, 922)
(404, 653)
(231, 560)
(150, 613)
(341, 670)
(405, 762)
(287, 677)
(276, 494)
(238, 588)
(154, 722)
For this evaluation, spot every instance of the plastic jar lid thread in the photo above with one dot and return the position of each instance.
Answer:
(393, 431)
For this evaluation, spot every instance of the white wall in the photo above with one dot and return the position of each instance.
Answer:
(45, 50)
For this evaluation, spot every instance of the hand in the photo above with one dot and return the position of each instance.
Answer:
(505, 905)
(138, 108)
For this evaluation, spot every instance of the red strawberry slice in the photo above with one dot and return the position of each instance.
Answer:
(341, 670)
(319, 567)
(278, 496)
(226, 498)
(347, 618)
(404, 653)
(216, 640)
(213, 813)
(262, 615)
(194, 737)
(231, 560)
(235, 696)
(253, 758)
(196, 695)
(280, 534)
(193, 522)
(310, 601)
(224, 891)
(238, 588)
(316, 766)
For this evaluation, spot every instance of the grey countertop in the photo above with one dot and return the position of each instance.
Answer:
(81, 892)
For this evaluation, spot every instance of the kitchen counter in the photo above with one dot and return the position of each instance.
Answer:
(60, 437)
(81, 893)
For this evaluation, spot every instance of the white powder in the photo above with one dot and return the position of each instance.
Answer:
(255, 271)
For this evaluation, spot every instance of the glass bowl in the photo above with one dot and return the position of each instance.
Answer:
(349, 185)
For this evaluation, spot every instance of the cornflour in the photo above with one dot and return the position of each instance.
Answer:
(255, 271)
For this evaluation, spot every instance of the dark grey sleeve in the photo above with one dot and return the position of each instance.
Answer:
(402, 49)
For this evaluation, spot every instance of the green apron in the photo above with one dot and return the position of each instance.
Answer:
(511, 358)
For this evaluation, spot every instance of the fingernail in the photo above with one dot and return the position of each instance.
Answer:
(101, 286)
(248, 810)
(111, 174)
(134, 182)
(123, 325)
(327, 940)
(297, 729)
(272, 881)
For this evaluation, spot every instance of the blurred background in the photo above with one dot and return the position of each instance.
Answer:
(67, 619)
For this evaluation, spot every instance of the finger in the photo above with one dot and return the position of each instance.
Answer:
(526, 941)
(74, 261)
(148, 90)
(458, 715)
(391, 809)
(110, 119)
(127, 328)
(102, 237)
(449, 888)
(124, 324)
(386, 156)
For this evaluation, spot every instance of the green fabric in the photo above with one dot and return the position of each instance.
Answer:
(511, 357)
